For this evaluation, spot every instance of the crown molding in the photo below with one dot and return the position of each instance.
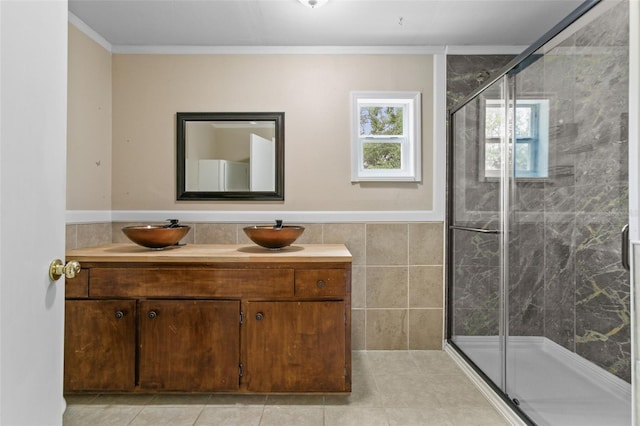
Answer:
(90, 32)
(317, 50)
(277, 50)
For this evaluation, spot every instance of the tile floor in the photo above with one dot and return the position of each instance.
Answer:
(389, 388)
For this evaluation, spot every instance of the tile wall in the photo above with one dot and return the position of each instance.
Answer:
(397, 274)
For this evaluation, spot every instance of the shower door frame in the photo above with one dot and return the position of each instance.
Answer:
(634, 191)
(502, 232)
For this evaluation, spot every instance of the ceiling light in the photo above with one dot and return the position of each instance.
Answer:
(313, 3)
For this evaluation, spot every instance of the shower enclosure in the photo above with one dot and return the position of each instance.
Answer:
(538, 295)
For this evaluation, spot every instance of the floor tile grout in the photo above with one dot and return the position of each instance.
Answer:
(392, 387)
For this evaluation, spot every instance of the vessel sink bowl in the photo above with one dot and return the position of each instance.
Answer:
(273, 237)
(156, 236)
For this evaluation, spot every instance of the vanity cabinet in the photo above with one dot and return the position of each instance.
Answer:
(100, 344)
(189, 345)
(295, 346)
(176, 341)
(300, 345)
(209, 319)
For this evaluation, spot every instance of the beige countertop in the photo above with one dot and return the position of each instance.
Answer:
(212, 253)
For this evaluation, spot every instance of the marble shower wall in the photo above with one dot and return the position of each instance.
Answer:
(466, 73)
(567, 282)
(565, 278)
(603, 332)
(476, 263)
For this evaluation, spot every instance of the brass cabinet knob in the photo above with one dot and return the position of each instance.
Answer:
(57, 268)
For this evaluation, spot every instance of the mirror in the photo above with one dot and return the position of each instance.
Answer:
(230, 156)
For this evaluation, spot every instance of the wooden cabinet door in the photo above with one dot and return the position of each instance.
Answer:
(99, 345)
(296, 346)
(189, 345)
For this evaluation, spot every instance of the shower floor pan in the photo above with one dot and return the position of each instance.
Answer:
(553, 385)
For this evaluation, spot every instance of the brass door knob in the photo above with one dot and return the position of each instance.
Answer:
(57, 268)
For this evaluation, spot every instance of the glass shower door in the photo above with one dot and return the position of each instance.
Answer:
(475, 298)
(568, 334)
(539, 299)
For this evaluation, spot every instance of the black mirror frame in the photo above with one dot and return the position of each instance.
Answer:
(183, 195)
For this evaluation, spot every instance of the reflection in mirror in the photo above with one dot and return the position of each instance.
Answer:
(221, 153)
(230, 156)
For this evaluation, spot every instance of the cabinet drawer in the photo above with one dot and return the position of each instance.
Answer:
(321, 282)
(179, 283)
(78, 286)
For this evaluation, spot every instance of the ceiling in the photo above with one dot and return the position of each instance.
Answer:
(338, 23)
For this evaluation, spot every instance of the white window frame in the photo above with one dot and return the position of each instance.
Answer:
(411, 165)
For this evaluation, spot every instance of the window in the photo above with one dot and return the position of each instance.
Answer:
(385, 140)
(531, 135)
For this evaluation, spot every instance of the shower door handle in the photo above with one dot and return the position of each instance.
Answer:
(467, 228)
(625, 247)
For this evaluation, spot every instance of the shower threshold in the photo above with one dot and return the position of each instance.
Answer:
(553, 385)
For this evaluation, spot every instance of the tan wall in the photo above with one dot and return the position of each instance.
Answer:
(88, 124)
(312, 90)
